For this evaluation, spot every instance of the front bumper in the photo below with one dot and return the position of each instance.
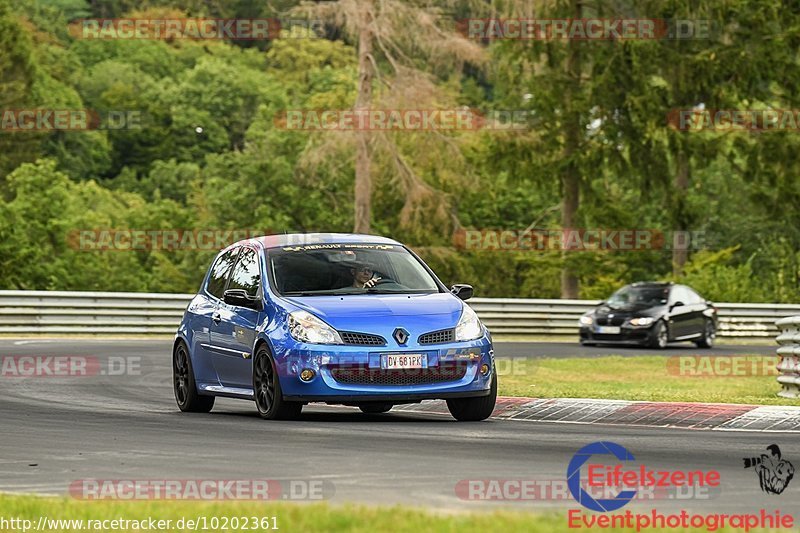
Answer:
(354, 373)
(627, 335)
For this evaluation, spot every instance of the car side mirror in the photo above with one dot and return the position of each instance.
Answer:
(462, 290)
(676, 304)
(241, 298)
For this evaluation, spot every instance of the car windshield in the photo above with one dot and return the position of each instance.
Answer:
(631, 296)
(341, 269)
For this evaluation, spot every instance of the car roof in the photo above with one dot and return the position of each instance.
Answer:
(301, 239)
(658, 284)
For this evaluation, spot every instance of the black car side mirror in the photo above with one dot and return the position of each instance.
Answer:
(676, 304)
(241, 298)
(462, 290)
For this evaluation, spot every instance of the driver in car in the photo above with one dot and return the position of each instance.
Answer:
(363, 276)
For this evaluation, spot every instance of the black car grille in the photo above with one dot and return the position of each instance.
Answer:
(605, 321)
(362, 339)
(437, 337)
(412, 376)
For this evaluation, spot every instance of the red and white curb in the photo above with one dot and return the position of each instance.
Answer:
(713, 416)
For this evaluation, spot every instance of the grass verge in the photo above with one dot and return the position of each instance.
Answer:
(648, 378)
(289, 517)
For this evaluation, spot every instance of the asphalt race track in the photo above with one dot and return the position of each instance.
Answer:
(59, 430)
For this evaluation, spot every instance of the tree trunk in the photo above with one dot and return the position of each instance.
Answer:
(363, 181)
(570, 175)
(680, 251)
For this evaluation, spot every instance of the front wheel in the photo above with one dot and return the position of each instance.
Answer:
(709, 334)
(267, 390)
(474, 409)
(184, 384)
(660, 336)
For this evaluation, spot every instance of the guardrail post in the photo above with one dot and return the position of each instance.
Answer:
(789, 352)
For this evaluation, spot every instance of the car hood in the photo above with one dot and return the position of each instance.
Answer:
(631, 311)
(427, 312)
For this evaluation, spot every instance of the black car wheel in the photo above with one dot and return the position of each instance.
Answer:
(375, 408)
(709, 334)
(474, 409)
(267, 390)
(659, 338)
(184, 385)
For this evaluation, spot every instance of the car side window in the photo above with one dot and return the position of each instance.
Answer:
(693, 297)
(220, 272)
(246, 274)
(679, 294)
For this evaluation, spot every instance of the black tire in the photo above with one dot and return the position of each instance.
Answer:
(587, 343)
(660, 336)
(709, 335)
(184, 385)
(474, 409)
(375, 408)
(267, 390)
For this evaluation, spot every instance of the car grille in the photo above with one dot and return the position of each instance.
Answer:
(413, 376)
(605, 321)
(362, 339)
(437, 337)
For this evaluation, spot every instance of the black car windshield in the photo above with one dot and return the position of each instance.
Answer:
(631, 296)
(350, 268)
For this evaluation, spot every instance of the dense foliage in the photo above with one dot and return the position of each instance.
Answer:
(208, 151)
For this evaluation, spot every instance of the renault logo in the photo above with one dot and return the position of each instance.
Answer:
(400, 335)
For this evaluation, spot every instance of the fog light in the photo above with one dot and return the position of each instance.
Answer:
(484, 369)
(307, 374)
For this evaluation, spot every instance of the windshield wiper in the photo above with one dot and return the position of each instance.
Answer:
(308, 293)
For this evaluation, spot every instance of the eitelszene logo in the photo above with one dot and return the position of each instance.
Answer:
(774, 473)
(574, 476)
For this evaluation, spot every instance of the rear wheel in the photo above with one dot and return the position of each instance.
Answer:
(660, 336)
(375, 408)
(267, 390)
(474, 409)
(184, 385)
(709, 334)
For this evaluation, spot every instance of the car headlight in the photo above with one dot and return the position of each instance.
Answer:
(469, 326)
(642, 321)
(586, 320)
(305, 327)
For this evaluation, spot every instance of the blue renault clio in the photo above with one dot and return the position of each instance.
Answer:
(336, 318)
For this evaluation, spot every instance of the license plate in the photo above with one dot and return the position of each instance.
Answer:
(613, 330)
(411, 360)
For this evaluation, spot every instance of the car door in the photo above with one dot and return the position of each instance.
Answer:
(698, 305)
(205, 307)
(234, 328)
(680, 314)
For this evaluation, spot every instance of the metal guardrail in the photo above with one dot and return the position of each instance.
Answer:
(789, 352)
(56, 312)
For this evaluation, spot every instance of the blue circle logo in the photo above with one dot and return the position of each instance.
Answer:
(574, 476)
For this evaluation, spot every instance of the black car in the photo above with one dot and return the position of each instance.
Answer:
(652, 314)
